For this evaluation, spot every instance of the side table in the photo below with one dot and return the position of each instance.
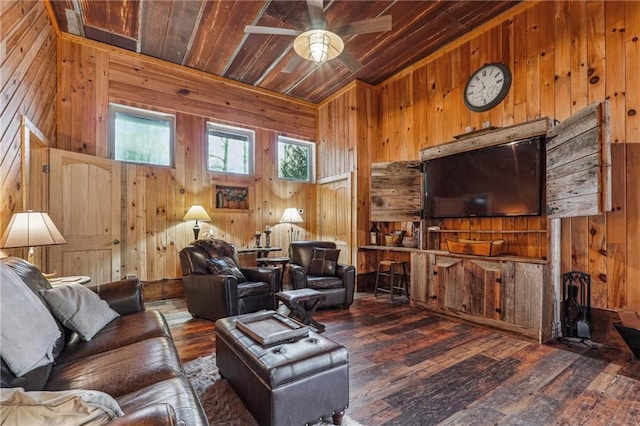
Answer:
(278, 262)
(296, 300)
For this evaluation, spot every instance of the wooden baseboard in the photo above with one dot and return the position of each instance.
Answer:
(162, 289)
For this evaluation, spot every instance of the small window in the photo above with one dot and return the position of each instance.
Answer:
(141, 136)
(296, 159)
(229, 149)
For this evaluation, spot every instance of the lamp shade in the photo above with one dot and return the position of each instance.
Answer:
(318, 45)
(196, 212)
(291, 215)
(31, 229)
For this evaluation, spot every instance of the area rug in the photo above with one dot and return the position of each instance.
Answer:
(221, 404)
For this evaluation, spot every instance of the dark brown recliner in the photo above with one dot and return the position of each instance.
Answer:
(339, 286)
(216, 287)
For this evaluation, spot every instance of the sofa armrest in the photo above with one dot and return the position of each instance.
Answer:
(257, 274)
(124, 296)
(347, 274)
(297, 276)
(151, 415)
(211, 296)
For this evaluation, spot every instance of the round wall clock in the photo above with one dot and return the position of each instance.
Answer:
(487, 87)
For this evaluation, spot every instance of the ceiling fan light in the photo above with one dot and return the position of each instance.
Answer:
(318, 45)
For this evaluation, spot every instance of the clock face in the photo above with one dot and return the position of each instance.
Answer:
(487, 87)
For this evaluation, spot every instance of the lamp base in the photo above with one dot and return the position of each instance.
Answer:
(196, 231)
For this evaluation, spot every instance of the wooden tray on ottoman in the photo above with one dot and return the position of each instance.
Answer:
(478, 248)
(271, 327)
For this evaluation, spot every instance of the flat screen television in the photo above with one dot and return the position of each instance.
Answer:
(503, 180)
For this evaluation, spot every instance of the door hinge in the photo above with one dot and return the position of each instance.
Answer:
(498, 310)
(45, 168)
(499, 280)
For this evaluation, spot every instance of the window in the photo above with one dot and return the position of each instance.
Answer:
(296, 159)
(229, 149)
(141, 136)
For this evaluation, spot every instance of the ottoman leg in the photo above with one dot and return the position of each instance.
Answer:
(337, 417)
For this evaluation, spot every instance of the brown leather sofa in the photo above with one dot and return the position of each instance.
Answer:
(338, 286)
(133, 358)
(213, 291)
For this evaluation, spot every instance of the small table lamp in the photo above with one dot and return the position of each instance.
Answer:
(291, 216)
(31, 229)
(197, 213)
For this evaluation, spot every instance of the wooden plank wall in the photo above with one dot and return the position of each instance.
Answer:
(156, 198)
(563, 56)
(347, 129)
(27, 86)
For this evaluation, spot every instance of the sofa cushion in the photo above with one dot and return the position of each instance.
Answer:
(120, 371)
(29, 332)
(34, 279)
(324, 283)
(324, 262)
(78, 406)
(121, 332)
(80, 309)
(176, 391)
(225, 266)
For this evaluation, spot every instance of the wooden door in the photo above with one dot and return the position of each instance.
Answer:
(336, 214)
(85, 204)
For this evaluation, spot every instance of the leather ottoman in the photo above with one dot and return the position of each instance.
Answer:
(290, 383)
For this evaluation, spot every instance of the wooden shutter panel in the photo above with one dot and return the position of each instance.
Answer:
(396, 191)
(579, 164)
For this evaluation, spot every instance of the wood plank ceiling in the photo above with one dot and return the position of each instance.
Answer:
(209, 36)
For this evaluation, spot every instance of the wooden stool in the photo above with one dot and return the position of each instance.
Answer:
(398, 280)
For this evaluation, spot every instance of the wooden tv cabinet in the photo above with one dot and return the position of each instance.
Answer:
(506, 292)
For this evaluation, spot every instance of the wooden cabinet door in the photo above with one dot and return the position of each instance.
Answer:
(482, 288)
(396, 191)
(449, 281)
(85, 203)
(523, 295)
(579, 165)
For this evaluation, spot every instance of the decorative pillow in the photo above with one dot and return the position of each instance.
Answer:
(79, 309)
(225, 266)
(29, 332)
(77, 407)
(324, 262)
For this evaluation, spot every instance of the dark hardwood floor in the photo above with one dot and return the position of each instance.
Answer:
(411, 367)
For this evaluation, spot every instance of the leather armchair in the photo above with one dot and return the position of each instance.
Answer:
(212, 293)
(338, 287)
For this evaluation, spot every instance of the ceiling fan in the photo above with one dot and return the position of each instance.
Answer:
(317, 43)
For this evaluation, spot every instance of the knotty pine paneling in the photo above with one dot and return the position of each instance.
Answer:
(156, 198)
(347, 134)
(27, 87)
(563, 56)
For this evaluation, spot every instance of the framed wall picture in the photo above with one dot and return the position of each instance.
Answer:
(230, 197)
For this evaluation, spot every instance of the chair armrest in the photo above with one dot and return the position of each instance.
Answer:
(151, 415)
(347, 274)
(124, 296)
(268, 275)
(208, 294)
(297, 276)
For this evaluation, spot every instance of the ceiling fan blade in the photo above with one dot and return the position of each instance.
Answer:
(373, 25)
(316, 14)
(350, 62)
(254, 29)
(292, 65)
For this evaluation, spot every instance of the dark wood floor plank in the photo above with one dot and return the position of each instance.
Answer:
(409, 366)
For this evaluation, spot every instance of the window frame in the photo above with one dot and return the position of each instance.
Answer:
(312, 157)
(141, 113)
(236, 131)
